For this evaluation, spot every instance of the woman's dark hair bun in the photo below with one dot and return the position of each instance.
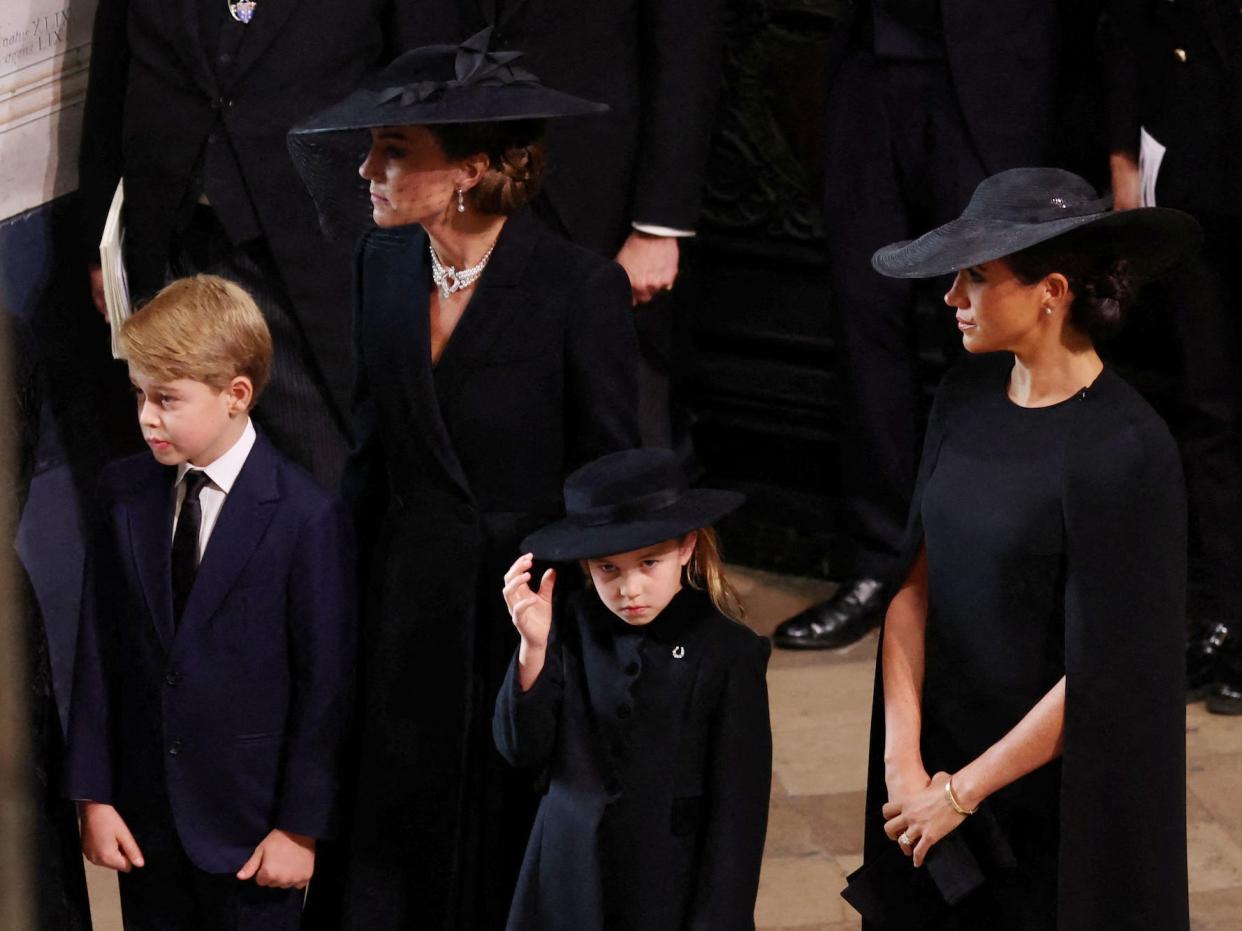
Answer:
(1101, 300)
(1103, 285)
(516, 153)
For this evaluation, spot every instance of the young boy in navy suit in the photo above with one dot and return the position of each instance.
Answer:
(216, 651)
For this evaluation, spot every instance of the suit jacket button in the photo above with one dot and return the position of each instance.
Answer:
(171, 679)
(631, 669)
(624, 711)
(174, 748)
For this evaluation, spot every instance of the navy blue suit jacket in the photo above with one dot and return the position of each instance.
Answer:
(231, 721)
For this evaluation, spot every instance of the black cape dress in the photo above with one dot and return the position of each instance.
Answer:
(454, 465)
(658, 751)
(1056, 542)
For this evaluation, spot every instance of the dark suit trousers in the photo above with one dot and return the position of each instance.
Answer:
(171, 894)
(899, 160)
(1206, 300)
(295, 409)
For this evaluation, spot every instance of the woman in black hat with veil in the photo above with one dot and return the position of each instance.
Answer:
(1027, 764)
(493, 358)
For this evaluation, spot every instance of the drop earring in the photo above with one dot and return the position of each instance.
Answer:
(461, 201)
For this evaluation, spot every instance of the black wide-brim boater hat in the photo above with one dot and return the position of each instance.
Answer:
(436, 84)
(1021, 207)
(625, 501)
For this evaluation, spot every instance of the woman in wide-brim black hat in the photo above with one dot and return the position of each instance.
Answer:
(1028, 747)
(492, 358)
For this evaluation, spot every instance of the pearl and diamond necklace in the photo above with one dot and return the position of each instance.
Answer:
(448, 279)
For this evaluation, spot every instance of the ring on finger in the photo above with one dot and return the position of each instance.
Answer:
(904, 840)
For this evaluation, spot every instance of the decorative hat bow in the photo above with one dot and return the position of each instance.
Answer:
(475, 65)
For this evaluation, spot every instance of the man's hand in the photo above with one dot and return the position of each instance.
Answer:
(651, 262)
(1127, 181)
(106, 840)
(282, 861)
(97, 289)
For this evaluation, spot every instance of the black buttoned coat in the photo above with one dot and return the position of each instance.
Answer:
(658, 751)
(454, 465)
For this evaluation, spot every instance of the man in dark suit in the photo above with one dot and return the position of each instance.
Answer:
(626, 184)
(215, 657)
(931, 98)
(189, 101)
(1175, 72)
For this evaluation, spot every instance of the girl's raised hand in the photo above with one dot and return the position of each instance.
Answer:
(530, 610)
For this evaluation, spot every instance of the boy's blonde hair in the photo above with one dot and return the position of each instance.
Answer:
(204, 328)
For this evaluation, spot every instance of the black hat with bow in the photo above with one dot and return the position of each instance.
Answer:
(432, 85)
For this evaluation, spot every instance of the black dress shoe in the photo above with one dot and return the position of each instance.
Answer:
(1226, 695)
(845, 618)
(1225, 699)
(1205, 650)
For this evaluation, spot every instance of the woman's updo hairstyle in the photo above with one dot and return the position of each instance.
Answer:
(1103, 286)
(515, 152)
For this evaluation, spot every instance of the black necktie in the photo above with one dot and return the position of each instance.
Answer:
(185, 541)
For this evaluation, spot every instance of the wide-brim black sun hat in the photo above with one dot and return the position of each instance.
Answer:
(1021, 207)
(625, 501)
(436, 84)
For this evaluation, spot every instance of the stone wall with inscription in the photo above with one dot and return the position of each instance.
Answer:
(44, 57)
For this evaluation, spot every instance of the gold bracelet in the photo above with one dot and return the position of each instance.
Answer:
(948, 793)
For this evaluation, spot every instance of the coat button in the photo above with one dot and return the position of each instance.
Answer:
(624, 711)
(1179, 54)
(631, 669)
(171, 679)
(174, 748)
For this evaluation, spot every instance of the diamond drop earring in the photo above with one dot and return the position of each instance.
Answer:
(461, 201)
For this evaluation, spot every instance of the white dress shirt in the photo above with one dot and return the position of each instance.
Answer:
(221, 475)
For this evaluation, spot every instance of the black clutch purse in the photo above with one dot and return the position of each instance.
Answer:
(887, 888)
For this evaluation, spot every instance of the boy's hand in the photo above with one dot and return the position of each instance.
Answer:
(531, 611)
(282, 860)
(106, 840)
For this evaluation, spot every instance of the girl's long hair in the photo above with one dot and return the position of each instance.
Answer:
(705, 572)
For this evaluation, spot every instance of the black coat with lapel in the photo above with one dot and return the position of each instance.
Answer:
(236, 715)
(156, 102)
(658, 748)
(454, 465)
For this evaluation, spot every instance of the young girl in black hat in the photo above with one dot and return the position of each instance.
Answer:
(645, 705)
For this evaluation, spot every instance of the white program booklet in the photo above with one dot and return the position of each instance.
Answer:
(112, 261)
(1151, 154)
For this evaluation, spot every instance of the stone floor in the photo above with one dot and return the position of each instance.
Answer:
(820, 710)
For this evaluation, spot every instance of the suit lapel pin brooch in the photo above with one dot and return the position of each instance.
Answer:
(242, 10)
(679, 652)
